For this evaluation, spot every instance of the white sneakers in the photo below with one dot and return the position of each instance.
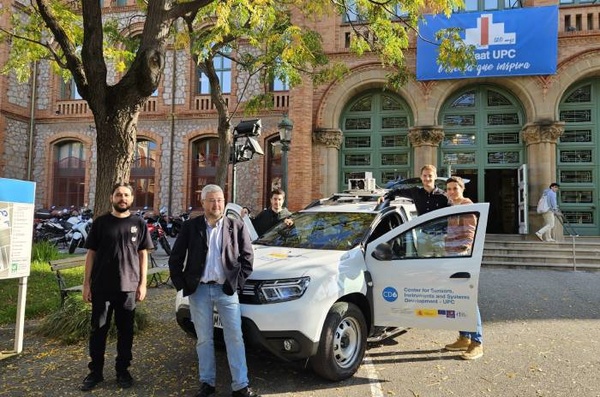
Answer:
(539, 235)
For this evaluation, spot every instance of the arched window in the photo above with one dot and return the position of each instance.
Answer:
(69, 174)
(142, 173)
(375, 127)
(205, 154)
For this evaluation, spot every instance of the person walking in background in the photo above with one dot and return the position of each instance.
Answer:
(115, 279)
(271, 216)
(459, 240)
(211, 261)
(545, 233)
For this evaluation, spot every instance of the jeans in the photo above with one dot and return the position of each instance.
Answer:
(201, 309)
(103, 306)
(476, 336)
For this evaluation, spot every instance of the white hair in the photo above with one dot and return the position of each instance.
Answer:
(210, 189)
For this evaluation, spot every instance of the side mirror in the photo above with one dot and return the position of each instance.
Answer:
(383, 252)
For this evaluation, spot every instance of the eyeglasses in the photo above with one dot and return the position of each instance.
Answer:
(213, 201)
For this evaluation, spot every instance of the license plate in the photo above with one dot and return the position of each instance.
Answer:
(217, 320)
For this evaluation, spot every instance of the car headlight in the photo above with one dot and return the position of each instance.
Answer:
(271, 291)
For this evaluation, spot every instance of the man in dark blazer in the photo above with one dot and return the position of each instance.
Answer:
(219, 260)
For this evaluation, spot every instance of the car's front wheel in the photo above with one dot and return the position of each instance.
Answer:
(343, 342)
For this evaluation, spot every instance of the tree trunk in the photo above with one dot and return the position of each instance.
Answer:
(116, 144)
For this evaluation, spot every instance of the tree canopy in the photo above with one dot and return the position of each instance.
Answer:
(92, 44)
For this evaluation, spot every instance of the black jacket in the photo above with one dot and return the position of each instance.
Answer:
(268, 218)
(237, 255)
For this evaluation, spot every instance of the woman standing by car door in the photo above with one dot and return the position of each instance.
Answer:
(461, 232)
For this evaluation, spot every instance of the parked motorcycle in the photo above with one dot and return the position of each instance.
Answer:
(51, 226)
(166, 222)
(158, 234)
(177, 222)
(80, 230)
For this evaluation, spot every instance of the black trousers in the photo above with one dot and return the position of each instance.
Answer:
(122, 304)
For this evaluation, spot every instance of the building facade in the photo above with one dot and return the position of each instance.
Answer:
(510, 136)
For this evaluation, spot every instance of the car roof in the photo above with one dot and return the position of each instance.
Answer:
(354, 201)
(410, 182)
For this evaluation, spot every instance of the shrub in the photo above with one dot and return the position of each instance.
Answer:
(43, 251)
(71, 323)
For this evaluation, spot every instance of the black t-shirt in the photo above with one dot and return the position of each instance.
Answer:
(424, 201)
(117, 242)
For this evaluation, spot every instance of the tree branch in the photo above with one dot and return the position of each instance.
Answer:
(72, 62)
(92, 51)
(180, 10)
(47, 46)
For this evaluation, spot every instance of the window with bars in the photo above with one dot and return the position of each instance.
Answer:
(489, 5)
(575, 176)
(577, 196)
(375, 129)
(576, 136)
(142, 176)
(69, 174)
(503, 157)
(575, 156)
(205, 154)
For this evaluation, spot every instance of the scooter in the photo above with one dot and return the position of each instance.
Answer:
(80, 232)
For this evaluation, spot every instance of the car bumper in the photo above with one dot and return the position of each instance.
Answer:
(286, 344)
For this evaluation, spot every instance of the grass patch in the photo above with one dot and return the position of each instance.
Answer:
(43, 295)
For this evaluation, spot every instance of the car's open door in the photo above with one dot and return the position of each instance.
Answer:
(233, 210)
(423, 275)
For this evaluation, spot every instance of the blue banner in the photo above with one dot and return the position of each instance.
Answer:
(517, 42)
(17, 191)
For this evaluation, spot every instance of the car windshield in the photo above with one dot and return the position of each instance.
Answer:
(320, 230)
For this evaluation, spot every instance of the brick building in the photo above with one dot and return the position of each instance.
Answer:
(510, 135)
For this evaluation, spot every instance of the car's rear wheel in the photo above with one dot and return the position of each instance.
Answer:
(343, 342)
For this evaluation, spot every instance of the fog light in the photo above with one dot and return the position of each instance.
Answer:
(290, 345)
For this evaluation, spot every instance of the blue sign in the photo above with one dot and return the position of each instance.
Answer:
(16, 223)
(389, 294)
(517, 42)
(17, 191)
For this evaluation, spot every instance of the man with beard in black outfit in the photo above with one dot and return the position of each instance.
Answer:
(115, 279)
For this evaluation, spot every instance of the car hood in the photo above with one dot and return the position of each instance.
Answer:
(282, 262)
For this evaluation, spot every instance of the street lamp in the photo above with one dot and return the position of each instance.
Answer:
(285, 128)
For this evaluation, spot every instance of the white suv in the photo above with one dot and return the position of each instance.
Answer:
(350, 270)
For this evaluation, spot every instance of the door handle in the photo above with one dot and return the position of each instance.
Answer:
(461, 275)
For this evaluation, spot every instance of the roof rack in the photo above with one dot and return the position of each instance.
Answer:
(358, 196)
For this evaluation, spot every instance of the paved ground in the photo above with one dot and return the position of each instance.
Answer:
(541, 330)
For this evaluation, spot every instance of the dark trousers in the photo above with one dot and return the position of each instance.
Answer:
(103, 306)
